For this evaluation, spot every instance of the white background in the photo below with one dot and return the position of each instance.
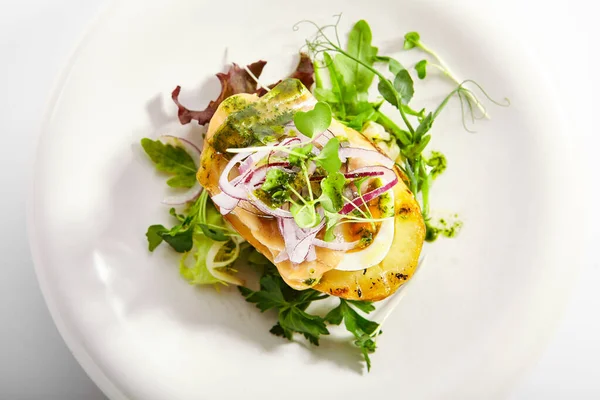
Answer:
(36, 37)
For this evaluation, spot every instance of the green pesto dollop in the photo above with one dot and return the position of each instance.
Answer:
(261, 121)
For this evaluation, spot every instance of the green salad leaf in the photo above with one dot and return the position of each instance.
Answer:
(173, 160)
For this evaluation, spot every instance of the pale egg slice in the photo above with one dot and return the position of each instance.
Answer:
(379, 248)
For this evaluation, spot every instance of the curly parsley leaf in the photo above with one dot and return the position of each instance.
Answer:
(173, 160)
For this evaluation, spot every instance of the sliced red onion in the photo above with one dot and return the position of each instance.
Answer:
(225, 202)
(390, 178)
(352, 175)
(312, 254)
(365, 154)
(194, 152)
(302, 248)
(337, 246)
(226, 186)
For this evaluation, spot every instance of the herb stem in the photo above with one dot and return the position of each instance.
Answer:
(448, 72)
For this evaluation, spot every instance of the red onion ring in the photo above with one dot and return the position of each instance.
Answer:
(365, 154)
(389, 176)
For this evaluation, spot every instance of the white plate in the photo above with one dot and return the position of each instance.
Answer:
(471, 322)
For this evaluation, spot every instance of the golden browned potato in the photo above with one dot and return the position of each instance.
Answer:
(373, 283)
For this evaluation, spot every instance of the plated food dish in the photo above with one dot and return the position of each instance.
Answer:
(312, 182)
(142, 332)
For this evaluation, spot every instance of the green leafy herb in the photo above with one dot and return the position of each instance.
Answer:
(299, 154)
(332, 186)
(290, 304)
(305, 215)
(329, 158)
(362, 329)
(411, 40)
(275, 178)
(360, 48)
(173, 160)
(348, 96)
(421, 68)
(314, 121)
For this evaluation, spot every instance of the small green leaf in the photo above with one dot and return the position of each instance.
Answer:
(311, 326)
(332, 187)
(329, 158)
(301, 154)
(411, 39)
(421, 68)
(154, 235)
(172, 160)
(304, 215)
(181, 241)
(275, 178)
(213, 232)
(364, 306)
(388, 93)
(332, 219)
(404, 85)
(314, 121)
(359, 47)
(424, 127)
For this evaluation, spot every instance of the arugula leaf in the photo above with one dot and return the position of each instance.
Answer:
(338, 87)
(359, 46)
(214, 232)
(314, 121)
(329, 158)
(154, 235)
(332, 187)
(173, 160)
(421, 68)
(180, 240)
(360, 327)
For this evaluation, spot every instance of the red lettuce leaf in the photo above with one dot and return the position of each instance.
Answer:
(304, 72)
(236, 80)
